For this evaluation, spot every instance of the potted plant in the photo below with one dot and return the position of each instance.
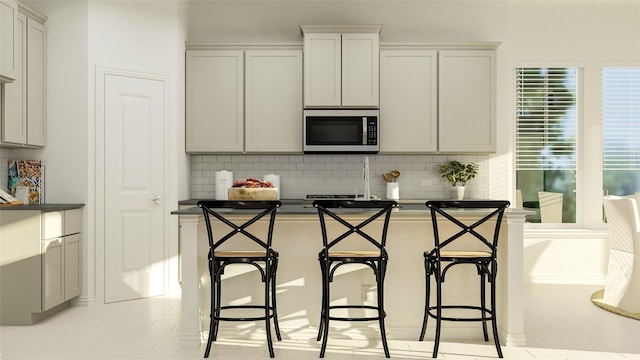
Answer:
(457, 174)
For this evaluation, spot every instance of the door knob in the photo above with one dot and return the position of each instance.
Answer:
(156, 199)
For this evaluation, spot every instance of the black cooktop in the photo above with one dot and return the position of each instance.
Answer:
(311, 197)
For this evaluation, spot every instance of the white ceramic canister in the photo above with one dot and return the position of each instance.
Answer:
(393, 190)
(275, 180)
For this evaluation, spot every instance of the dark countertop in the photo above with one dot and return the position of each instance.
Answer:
(43, 207)
(304, 207)
(289, 206)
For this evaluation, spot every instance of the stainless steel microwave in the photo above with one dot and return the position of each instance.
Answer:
(355, 131)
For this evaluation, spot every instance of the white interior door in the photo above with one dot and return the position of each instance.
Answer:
(134, 261)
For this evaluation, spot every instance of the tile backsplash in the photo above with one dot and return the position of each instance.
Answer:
(5, 156)
(338, 174)
(327, 174)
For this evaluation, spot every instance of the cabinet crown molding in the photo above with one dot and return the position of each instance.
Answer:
(490, 45)
(245, 46)
(32, 13)
(340, 29)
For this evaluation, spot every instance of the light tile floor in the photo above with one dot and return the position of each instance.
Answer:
(561, 323)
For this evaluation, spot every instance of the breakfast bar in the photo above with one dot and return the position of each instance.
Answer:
(297, 238)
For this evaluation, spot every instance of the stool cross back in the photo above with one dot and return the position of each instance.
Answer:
(262, 256)
(331, 258)
(441, 259)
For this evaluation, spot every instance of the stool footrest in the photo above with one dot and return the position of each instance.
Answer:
(368, 318)
(255, 318)
(432, 314)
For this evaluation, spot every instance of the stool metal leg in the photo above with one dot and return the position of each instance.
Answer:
(273, 301)
(483, 304)
(267, 306)
(381, 313)
(494, 321)
(322, 307)
(325, 308)
(426, 297)
(214, 292)
(436, 341)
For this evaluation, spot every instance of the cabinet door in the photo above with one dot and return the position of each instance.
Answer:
(72, 266)
(408, 101)
(322, 70)
(36, 87)
(14, 119)
(52, 273)
(467, 86)
(8, 37)
(360, 69)
(214, 101)
(273, 88)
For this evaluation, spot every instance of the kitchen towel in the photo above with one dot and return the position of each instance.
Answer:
(224, 180)
(275, 180)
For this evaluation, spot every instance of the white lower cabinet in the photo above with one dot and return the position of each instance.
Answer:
(72, 266)
(52, 273)
(40, 263)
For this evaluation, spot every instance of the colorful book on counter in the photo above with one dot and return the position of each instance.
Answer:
(26, 180)
(7, 200)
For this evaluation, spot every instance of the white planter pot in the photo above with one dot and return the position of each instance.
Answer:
(457, 192)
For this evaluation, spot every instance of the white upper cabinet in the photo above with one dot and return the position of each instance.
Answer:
(437, 101)
(24, 112)
(244, 101)
(14, 113)
(341, 66)
(214, 101)
(273, 101)
(408, 101)
(36, 87)
(8, 37)
(467, 101)
(322, 70)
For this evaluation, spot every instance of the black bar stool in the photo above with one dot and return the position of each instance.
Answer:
(265, 259)
(440, 259)
(331, 259)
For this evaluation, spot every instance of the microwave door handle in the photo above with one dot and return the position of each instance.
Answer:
(364, 130)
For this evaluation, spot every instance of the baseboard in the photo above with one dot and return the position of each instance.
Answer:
(567, 279)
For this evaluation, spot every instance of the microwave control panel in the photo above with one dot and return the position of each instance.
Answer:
(372, 130)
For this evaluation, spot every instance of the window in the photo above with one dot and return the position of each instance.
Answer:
(546, 142)
(621, 130)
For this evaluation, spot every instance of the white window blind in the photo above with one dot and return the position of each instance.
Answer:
(546, 118)
(621, 118)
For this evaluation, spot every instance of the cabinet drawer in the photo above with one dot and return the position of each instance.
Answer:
(60, 223)
(72, 221)
(52, 224)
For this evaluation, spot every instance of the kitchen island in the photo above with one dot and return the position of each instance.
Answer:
(298, 240)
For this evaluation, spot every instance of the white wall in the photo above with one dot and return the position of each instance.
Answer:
(403, 21)
(141, 36)
(146, 37)
(587, 35)
(150, 35)
(66, 156)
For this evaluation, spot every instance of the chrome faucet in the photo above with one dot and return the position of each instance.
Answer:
(365, 176)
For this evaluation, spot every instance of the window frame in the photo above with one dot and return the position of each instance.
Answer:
(580, 120)
(636, 90)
